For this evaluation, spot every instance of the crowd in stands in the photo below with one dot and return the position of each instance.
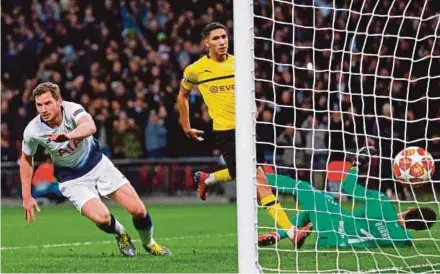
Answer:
(331, 78)
(123, 61)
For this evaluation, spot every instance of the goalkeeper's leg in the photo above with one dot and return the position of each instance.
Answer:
(308, 197)
(276, 211)
(301, 221)
(321, 209)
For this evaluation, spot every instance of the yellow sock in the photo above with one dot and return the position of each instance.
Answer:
(277, 212)
(220, 176)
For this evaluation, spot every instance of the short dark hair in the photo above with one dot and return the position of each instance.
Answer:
(42, 88)
(420, 218)
(210, 27)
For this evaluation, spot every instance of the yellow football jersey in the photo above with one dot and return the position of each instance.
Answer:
(215, 81)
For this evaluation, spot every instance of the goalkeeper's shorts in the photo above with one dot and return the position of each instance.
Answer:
(225, 142)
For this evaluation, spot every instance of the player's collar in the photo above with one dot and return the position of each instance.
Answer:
(227, 56)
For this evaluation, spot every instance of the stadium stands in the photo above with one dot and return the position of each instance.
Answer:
(123, 60)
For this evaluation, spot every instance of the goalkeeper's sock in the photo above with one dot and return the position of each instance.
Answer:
(114, 227)
(282, 234)
(276, 211)
(220, 176)
(144, 226)
(290, 233)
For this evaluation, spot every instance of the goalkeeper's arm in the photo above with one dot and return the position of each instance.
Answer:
(358, 192)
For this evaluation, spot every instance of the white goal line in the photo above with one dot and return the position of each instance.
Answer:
(108, 242)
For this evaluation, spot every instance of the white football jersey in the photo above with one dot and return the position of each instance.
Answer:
(71, 159)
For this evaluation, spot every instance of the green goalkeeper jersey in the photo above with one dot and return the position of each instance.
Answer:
(374, 223)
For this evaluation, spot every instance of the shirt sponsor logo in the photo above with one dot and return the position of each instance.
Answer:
(215, 89)
(74, 144)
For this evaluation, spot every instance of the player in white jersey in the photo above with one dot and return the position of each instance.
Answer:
(65, 130)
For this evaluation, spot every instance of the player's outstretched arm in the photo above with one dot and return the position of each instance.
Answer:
(26, 172)
(85, 127)
(350, 183)
(183, 104)
(357, 191)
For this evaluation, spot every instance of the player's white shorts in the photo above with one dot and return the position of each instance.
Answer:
(102, 180)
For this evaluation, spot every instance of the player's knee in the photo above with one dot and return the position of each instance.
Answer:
(138, 211)
(102, 218)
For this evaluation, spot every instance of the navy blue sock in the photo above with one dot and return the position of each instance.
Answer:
(143, 223)
(109, 228)
(113, 228)
(144, 226)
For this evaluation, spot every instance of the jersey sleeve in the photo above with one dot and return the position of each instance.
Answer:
(29, 145)
(189, 77)
(76, 111)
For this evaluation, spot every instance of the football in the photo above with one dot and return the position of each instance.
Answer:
(413, 165)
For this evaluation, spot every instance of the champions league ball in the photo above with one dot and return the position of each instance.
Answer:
(413, 165)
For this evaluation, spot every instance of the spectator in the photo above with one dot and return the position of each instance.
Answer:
(286, 112)
(315, 141)
(336, 139)
(291, 154)
(126, 141)
(156, 136)
(390, 139)
(132, 147)
(8, 150)
(265, 131)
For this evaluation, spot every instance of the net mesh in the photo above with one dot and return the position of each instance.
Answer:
(331, 77)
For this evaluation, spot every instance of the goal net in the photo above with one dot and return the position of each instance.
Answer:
(329, 77)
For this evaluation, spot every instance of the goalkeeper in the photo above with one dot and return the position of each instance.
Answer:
(375, 224)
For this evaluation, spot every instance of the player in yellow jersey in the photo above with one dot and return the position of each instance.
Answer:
(213, 75)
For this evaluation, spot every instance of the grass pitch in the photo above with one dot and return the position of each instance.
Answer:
(202, 238)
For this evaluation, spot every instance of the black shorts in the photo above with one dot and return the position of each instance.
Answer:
(225, 141)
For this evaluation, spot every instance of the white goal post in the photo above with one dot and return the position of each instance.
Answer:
(245, 138)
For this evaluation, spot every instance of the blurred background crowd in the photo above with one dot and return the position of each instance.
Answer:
(123, 61)
(330, 79)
